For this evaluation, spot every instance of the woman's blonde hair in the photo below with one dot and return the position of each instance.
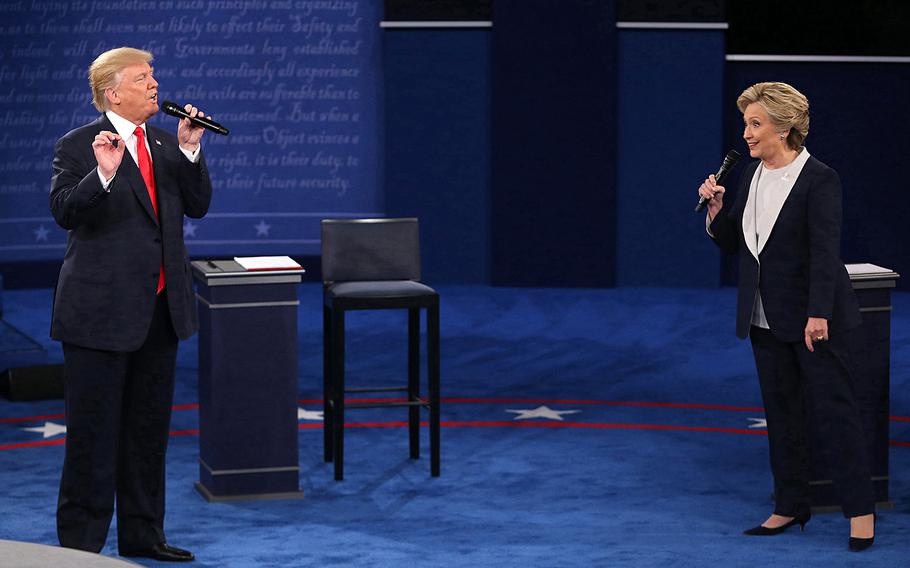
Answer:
(787, 108)
(106, 71)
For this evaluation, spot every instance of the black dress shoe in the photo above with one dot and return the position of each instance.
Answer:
(765, 531)
(163, 552)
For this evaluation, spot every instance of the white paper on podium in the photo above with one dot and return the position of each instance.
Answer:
(866, 268)
(267, 263)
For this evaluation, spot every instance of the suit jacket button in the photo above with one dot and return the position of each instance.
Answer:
(158, 240)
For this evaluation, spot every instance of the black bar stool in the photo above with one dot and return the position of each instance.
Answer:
(374, 264)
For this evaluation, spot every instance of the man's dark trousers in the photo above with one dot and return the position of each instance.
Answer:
(118, 411)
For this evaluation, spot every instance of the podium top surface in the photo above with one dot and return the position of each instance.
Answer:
(866, 271)
(211, 270)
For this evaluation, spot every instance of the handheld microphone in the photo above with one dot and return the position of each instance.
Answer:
(729, 163)
(172, 109)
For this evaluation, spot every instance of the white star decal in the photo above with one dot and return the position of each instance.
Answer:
(541, 412)
(41, 233)
(758, 423)
(189, 229)
(262, 229)
(49, 430)
(304, 414)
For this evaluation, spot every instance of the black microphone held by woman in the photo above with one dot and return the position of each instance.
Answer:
(729, 163)
(206, 122)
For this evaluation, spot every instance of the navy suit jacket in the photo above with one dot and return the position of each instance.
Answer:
(106, 290)
(800, 273)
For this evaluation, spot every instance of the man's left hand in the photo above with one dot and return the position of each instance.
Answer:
(189, 134)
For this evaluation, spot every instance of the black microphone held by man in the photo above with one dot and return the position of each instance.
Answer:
(174, 109)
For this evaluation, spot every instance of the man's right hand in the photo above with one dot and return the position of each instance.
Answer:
(714, 194)
(107, 156)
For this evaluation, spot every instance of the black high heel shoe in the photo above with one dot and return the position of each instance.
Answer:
(765, 531)
(861, 544)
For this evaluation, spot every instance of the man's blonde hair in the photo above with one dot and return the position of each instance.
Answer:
(106, 71)
(787, 108)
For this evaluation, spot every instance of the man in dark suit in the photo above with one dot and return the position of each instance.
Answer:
(123, 298)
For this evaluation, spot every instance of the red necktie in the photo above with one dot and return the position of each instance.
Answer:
(145, 168)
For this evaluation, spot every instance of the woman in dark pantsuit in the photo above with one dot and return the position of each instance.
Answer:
(797, 306)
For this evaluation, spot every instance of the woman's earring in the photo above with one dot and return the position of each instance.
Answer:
(781, 136)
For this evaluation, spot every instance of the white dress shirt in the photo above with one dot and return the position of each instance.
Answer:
(126, 129)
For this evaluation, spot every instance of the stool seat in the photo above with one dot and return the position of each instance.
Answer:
(379, 288)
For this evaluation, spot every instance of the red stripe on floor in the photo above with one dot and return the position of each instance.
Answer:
(467, 400)
(476, 424)
(532, 424)
(37, 444)
(603, 402)
(192, 432)
(31, 418)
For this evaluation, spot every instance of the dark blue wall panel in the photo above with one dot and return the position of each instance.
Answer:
(437, 140)
(858, 115)
(553, 110)
(670, 132)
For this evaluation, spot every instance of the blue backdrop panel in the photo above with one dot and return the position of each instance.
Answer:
(437, 140)
(553, 156)
(670, 130)
(858, 115)
(296, 81)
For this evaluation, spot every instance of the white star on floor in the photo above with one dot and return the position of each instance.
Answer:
(541, 412)
(262, 229)
(758, 423)
(41, 233)
(49, 430)
(189, 229)
(304, 414)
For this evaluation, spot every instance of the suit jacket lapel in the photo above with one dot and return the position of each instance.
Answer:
(779, 199)
(749, 215)
(134, 178)
(140, 189)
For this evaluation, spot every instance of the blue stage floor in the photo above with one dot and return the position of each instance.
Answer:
(641, 448)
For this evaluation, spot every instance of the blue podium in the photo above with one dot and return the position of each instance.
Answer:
(871, 352)
(248, 428)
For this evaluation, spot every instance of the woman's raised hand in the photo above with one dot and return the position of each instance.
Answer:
(714, 194)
